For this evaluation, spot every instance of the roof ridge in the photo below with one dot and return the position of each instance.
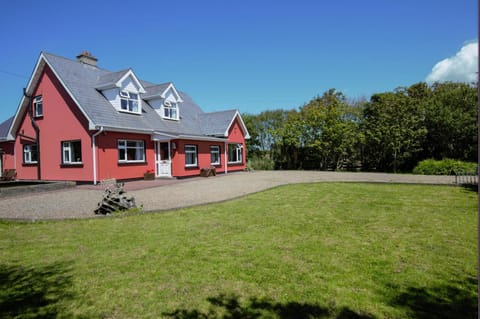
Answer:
(223, 111)
(157, 84)
(71, 60)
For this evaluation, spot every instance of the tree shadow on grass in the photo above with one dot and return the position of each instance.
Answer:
(33, 292)
(230, 307)
(470, 187)
(455, 300)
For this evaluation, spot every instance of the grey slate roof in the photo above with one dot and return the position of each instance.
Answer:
(154, 90)
(216, 123)
(4, 129)
(110, 78)
(82, 79)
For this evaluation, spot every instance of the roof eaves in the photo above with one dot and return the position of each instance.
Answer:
(201, 138)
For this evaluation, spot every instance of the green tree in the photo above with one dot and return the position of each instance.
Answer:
(451, 121)
(330, 131)
(394, 130)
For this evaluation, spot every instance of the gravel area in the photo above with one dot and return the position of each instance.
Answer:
(79, 202)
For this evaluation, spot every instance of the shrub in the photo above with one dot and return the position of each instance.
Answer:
(444, 167)
(261, 163)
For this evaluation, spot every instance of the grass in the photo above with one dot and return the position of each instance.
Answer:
(328, 250)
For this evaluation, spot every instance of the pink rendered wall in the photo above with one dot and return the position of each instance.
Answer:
(203, 159)
(8, 159)
(203, 148)
(108, 164)
(61, 121)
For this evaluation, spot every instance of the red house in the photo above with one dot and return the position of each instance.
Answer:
(79, 122)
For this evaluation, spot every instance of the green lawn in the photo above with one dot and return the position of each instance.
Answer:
(327, 250)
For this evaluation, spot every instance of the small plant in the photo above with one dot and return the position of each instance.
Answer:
(444, 167)
(149, 174)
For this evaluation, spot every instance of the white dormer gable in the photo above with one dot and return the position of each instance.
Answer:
(166, 100)
(123, 91)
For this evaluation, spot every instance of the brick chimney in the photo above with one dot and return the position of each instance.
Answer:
(87, 58)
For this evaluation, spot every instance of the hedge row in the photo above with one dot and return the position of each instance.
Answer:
(445, 167)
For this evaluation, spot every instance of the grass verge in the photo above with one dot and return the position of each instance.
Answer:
(327, 250)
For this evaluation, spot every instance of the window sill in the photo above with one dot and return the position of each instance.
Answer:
(235, 163)
(170, 119)
(38, 117)
(71, 165)
(30, 164)
(216, 164)
(132, 163)
(191, 166)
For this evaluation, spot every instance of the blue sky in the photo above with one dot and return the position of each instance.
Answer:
(249, 55)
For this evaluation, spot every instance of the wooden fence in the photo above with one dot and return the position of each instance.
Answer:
(467, 178)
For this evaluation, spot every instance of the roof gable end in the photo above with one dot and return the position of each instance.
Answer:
(43, 60)
(242, 125)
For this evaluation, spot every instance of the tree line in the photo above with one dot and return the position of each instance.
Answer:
(391, 131)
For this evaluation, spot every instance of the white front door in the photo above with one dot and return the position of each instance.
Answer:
(162, 159)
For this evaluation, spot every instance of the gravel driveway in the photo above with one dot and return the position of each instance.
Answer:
(79, 202)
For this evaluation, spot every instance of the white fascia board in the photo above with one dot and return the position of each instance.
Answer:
(20, 110)
(242, 126)
(23, 105)
(9, 138)
(201, 138)
(158, 136)
(130, 73)
(123, 129)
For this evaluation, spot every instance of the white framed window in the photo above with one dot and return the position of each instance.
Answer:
(235, 154)
(30, 154)
(131, 151)
(129, 102)
(38, 106)
(170, 110)
(191, 156)
(72, 152)
(215, 155)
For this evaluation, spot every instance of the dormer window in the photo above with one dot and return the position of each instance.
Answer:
(129, 102)
(170, 110)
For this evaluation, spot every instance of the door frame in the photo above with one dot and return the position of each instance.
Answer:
(159, 160)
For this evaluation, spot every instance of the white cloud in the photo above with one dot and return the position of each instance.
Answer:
(462, 67)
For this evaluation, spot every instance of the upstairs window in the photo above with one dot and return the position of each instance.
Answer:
(170, 110)
(129, 102)
(72, 152)
(38, 106)
(131, 151)
(235, 154)
(30, 154)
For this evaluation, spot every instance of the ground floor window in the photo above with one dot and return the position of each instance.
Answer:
(30, 154)
(191, 156)
(72, 152)
(235, 153)
(131, 151)
(215, 155)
